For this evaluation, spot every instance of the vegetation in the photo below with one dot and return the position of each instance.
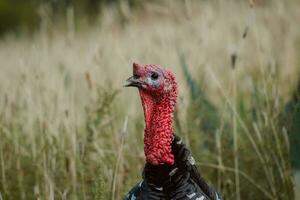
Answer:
(70, 131)
(26, 16)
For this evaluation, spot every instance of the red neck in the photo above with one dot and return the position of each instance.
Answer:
(158, 131)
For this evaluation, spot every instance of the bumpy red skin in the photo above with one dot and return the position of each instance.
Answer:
(158, 104)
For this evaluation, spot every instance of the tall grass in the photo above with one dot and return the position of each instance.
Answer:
(70, 131)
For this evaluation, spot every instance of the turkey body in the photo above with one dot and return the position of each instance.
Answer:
(179, 181)
(170, 171)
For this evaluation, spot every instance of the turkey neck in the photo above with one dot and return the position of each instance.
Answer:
(158, 112)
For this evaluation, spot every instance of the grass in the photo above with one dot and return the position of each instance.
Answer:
(70, 131)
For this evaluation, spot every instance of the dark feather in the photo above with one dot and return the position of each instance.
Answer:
(179, 181)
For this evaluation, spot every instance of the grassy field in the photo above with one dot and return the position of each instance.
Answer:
(69, 130)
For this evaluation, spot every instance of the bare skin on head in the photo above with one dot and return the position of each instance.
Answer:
(158, 92)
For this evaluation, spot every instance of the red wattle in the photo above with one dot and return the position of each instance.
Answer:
(158, 123)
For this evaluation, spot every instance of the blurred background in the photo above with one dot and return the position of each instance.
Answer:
(70, 131)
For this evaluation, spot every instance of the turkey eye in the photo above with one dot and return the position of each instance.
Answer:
(154, 76)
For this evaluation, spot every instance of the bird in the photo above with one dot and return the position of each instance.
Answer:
(169, 171)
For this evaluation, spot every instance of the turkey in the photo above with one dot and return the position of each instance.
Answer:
(170, 171)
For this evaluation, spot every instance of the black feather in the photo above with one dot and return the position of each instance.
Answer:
(180, 181)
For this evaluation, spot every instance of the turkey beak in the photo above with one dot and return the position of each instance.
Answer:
(133, 82)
